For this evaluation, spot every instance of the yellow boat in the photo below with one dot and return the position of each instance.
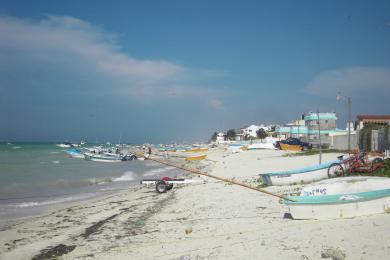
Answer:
(196, 158)
(288, 147)
(197, 150)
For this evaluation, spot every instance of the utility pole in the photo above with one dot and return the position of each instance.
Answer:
(319, 134)
(349, 124)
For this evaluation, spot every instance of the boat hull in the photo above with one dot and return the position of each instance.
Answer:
(343, 185)
(288, 147)
(197, 150)
(344, 209)
(261, 146)
(302, 175)
(196, 158)
(101, 158)
(288, 179)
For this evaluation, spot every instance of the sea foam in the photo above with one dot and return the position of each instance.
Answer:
(127, 176)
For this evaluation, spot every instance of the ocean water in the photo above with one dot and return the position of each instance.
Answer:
(37, 177)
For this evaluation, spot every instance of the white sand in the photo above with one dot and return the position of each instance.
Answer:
(201, 221)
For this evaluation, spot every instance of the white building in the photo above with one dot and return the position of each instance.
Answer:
(221, 137)
(251, 131)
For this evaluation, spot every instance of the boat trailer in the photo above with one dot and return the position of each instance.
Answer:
(165, 184)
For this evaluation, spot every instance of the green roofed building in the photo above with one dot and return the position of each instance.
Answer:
(309, 130)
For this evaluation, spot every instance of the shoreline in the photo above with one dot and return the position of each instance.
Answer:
(211, 220)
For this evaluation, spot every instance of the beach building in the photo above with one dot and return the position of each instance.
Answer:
(312, 125)
(221, 137)
(374, 134)
(363, 120)
(251, 131)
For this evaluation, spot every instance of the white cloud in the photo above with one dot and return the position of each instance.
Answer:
(215, 103)
(351, 81)
(64, 36)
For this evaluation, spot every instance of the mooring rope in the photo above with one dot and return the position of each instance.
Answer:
(220, 178)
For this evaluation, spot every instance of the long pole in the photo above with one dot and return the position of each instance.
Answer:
(319, 135)
(221, 179)
(349, 124)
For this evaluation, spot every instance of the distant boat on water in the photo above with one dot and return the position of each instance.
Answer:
(65, 145)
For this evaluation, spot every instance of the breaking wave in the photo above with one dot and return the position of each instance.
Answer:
(43, 203)
(158, 171)
(128, 176)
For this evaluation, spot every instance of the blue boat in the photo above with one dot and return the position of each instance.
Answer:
(302, 175)
(75, 153)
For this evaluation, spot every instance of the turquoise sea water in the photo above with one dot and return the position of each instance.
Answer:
(35, 177)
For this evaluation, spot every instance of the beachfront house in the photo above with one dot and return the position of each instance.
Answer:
(311, 127)
(374, 134)
(251, 131)
(221, 137)
(380, 120)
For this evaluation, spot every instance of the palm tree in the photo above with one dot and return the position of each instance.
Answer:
(231, 134)
(261, 134)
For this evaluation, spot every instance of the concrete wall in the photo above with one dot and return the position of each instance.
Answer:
(380, 140)
(341, 141)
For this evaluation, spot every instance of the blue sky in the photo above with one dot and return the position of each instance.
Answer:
(163, 71)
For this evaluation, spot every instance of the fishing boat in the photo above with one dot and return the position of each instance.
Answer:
(74, 153)
(65, 145)
(256, 146)
(290, 147)
(108, 157)
(196, 158)
(302, 175)
(197, 150)
(341, 198)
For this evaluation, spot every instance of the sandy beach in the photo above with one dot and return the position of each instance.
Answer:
(207, 219)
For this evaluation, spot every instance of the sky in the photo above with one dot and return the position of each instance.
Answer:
(176, 71)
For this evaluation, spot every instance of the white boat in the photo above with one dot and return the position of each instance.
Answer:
(341, 198)
(256, 146)
(352, 184)
(108, 157)
(302, 175)
(64, 145)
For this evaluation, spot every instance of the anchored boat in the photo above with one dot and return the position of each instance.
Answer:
(75, 153)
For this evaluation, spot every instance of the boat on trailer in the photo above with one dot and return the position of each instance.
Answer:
(341, 198)
(302, 175)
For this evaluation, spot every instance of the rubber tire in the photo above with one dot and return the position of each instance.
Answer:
(335, 165)
(161, 186)
(377, 161)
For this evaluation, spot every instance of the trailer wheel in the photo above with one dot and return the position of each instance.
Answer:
(335, 170)
(161, 186)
